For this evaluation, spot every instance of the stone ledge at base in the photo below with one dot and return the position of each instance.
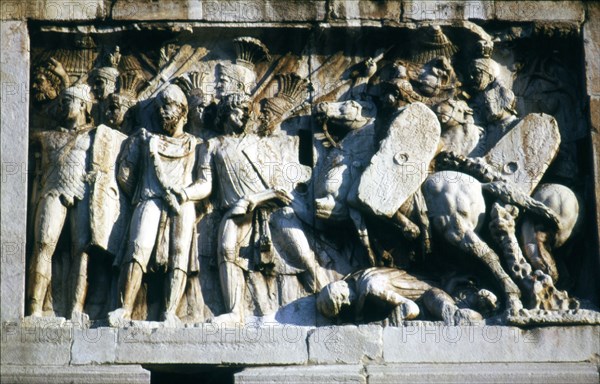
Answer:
(101, 374)
(498, 373)
(277, 344)
(509, 373)
(339, 374)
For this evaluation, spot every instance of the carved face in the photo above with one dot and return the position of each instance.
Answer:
(171, 113)
(266, 118)
(117, 108)
(233, 112)
(196, 112)
(334, 297)
(237, 120)
(42, 88)
(480, 79)
(451, 113)
(266, 115)
(227, 85)
(389, 97)
(102, 87)
(71, 108)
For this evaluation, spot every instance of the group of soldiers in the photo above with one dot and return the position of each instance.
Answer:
(163, 171)
(131, 189)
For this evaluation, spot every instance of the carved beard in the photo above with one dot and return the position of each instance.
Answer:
(43, 94)
(265, 128)
(169, 122)
(169, 125)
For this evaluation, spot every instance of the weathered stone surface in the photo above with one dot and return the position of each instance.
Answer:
(223, 11)
(14, 79)
(94, 346)
(309, 374)
(445, 344)
(501, 10)
(539, 10)
(591, 45)
(54, 9)
(371, 10)
(106, 374)
(526, 151)
(401, 164)
(543, 373)
(209, 344)
(447, 10)
(45, 344)
(595, 137)
(347, 344)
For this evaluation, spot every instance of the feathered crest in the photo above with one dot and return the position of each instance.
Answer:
(129, 84)
(292, 91)
(191, 83)
(250, 51)
(431, 43)
(292, 87)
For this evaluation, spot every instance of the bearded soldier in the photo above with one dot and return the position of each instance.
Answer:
(157, 169)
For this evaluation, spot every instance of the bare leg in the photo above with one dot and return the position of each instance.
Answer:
(538, 286)
(49, 220)
(80, 233)
(132, 287)
(142, 236)
(175, 287)
(182, 230)
(363, 235)
(79, 285)
(473, 245)
(409, 229)
(287, 229)
(441, 305)
(231, 275)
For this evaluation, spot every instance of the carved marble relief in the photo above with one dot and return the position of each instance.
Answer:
(189, 177)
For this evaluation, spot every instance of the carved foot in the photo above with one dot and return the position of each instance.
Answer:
(513, 304)
(228, 320)
(171, 320)
(409, 310)
(36, 313)
(80, 318)
(119, 317)
(465, 316)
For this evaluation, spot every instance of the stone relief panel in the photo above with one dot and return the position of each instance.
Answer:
(425, 172)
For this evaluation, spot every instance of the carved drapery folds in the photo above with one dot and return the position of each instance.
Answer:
(202, 178)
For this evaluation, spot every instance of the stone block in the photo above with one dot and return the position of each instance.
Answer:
(14, 109)
(554, 11)
(447, 10)
(210, 344)
(435, 343)
(59, 10)
(500, 373)
(366, 10)
(105, 374)
(591, 46)
(47, 343)
(342, 374)
(94, 346)
(347, 344)
(222, 11)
